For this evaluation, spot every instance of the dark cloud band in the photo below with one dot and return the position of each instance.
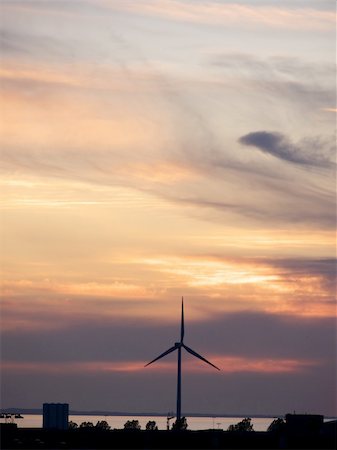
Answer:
(308, 152)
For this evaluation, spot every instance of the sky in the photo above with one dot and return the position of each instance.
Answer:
(154, 149)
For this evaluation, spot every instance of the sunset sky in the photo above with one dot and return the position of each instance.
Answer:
(154, 149)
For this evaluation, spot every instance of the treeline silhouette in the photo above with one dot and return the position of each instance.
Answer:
(244, 425)
(295, 432)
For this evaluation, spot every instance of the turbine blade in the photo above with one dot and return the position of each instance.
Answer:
(182, 320)
(199, 356)
(162, 355)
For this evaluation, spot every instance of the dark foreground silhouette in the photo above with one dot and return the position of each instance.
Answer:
(299, 432)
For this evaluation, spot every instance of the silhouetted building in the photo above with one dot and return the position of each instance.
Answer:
(330, 429)
(304, 423)
(55, 416)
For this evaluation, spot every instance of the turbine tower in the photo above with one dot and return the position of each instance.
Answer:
(178, 346)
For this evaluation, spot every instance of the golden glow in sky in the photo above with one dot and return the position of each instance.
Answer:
(154, 149)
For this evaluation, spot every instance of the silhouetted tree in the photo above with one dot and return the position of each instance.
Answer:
(180, 424)
(102, 425)
(87, 425)
(132, 425)
(72, 425)
(276, 426)
(244, 425)
(151, 426)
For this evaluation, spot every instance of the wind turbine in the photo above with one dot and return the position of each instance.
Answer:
(178, 346)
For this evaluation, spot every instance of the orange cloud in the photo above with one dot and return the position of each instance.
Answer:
(232, 364)
(80, 76)
(227, 364)
(249, 284)
(332, 110)
(204, 272)
(72, 367)
(147, 287)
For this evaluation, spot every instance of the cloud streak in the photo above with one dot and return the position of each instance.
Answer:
(228, 365)
(216, 13)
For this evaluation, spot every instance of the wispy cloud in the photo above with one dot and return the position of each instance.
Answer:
(305, 15)
(301, 83)
(218, 13)
(176, 152)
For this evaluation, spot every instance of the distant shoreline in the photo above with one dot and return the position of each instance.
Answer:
(127, 414)
(38, 411)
